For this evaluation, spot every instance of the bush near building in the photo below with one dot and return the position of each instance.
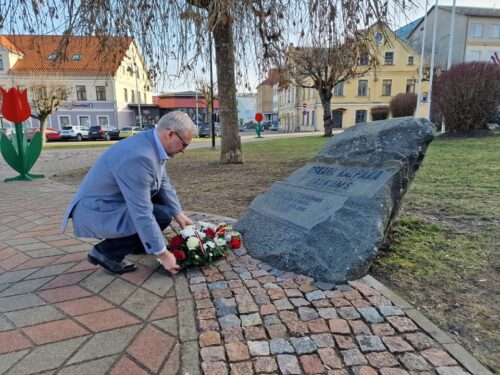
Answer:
(403, 105)
(380, 112)
(467, 96)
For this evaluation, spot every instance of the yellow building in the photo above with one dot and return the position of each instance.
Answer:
(300, 108)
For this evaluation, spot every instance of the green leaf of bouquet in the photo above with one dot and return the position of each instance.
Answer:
(9, 154)
(33, 150)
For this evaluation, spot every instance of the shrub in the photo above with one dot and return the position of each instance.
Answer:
(380, 112)
(403, 105)
(467, 96)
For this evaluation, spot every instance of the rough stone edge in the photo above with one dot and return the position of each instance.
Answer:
(451, 345)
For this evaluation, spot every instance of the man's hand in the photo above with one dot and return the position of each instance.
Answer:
(169, 262)
(183, 220)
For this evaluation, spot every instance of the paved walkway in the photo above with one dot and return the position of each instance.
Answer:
(59, 314)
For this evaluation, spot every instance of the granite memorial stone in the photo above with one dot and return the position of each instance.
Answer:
(329, 218)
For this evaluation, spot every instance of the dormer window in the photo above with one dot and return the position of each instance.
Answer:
(77, 57)
(53, 57)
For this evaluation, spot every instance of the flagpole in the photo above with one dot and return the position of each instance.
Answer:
(422, 55)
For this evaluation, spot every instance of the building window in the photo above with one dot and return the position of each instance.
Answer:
(389, 58)
(125, 95)
(410, 60)
(81, 93)
(363, 59)
(77, 57)
(63, 121)
(386, 87)
(132, 94)
(338, 89)
(1, 63)
(100, 92)
(362, 87)
(52, 57)
(474, 55)
(424, 97)
(103, 121)
(410, 86)
(495, 31)
(476, 30)
(361, 115)
(84, 121)
(313, 118)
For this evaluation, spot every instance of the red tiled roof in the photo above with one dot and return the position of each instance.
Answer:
(97, 56)
(272, 78)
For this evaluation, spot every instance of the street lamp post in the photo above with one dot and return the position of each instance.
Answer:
(212, 125)
(136, 73)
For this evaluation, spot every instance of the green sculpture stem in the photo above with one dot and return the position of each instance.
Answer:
(258, 129)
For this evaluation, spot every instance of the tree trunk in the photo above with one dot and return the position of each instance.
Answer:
(228, 112)
(43, 126)
(327, 113)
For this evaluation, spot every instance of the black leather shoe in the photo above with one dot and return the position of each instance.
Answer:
(96, 257)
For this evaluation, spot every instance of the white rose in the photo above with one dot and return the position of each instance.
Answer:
(204, 224)
(220, 241)
(188, 231)
(192, 243)
(210, 244)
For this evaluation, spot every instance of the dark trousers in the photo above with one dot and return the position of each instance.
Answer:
(118, 248)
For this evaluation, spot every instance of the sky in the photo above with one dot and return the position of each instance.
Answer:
(403, 20)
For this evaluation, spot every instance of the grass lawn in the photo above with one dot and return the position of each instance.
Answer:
(443, 252)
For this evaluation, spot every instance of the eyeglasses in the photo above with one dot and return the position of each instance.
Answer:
(184, 144)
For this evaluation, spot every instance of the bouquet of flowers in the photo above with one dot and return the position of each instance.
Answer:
(201, 244)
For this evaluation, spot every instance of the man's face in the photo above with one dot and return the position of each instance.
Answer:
(176, 141)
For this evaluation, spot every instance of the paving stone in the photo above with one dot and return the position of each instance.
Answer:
(277, 331)
(232, 334)
(47, 357)
(168, 325)
(241, 368)
(54, 270)
(67, 279)
(324, 285)
(204, 303)
(316, 295)
(246, 308)
(104, 320)
(438, 357)
(262, 299)
(15, 276)
(288, 364)
(206, 313)
(265, 365)
(11, 341)
(9, 359)
(190, 361)
(339, 326)
(5, 325)
(218, 285)
(20, 302)
(237, 351)
(208, 325)
(348, 313)
(63, 294)
(390, 311)
(187, 327)
(382, 329)
(213, 354)
(197, 280)
(225, 306)
(141, 303)
(214, 368)
(345, 342)
(127, 366)
(250, 320)
(382, 359)
(415, 362)
(368, 343)
(317, 326)
(307, 313)
(268, 309)
(330, 358)
(271, 319)
(105, 343)
(293, 293)
(455, 370)
(328, 313)
(158, 283)
(402, 324)
(97, 367)
(341, 302)
(370, 315)
(31, 246)
(396, 344)
(360, 303)
(222, 293)
(311, 364)
(25, 286)
(118, 291)
(393, 371)
(97, 281)
(420, 341)
(54, 331)
(359, 328)
(230, 320)
(353, 357)
(323, 340)
(255, 333)
(283, 304)
(138, 276)
(84, 305)
(34, 315)
(303, 345)
(209, 338)
(281, 346)
(258, 348)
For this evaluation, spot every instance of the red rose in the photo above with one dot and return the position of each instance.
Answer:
(210, 232)
(175, 242)
(179, 254)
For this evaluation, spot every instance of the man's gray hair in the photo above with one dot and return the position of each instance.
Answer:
(176, 120)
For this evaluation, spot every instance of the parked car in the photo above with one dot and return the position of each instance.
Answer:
(148, 127)
(274, 127)
(7, 129)
(51, 134)
(129, 131)
(106, 133)
(76, 132)
(205, 129)
(248, 126)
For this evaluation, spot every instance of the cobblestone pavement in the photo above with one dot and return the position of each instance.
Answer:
(60, 314)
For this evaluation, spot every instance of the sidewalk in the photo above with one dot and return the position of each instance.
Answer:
(60, 314)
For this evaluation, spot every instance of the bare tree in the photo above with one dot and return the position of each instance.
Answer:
(45, 99)
(206, 95)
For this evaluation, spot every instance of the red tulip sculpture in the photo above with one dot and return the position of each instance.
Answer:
(17, 153)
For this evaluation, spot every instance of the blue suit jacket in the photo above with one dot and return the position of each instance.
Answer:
(114, 198)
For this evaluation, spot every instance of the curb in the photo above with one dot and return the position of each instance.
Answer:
(450, 344)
